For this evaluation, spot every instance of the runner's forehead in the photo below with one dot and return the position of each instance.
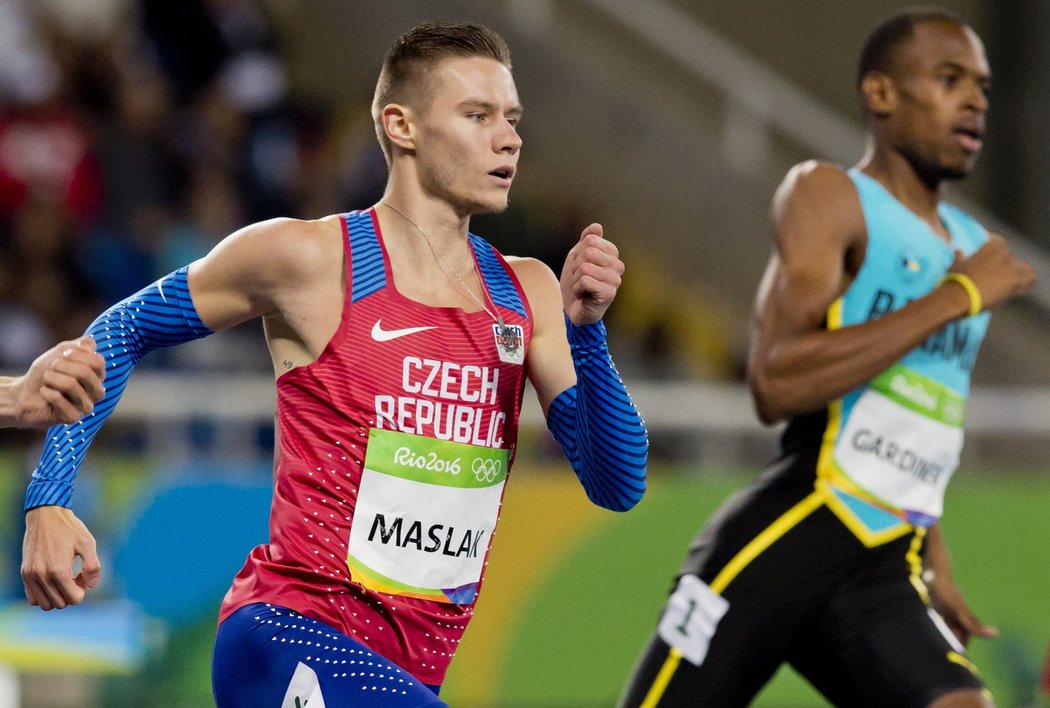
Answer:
(938, 44)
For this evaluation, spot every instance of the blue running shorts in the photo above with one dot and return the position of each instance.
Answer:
(269, 656)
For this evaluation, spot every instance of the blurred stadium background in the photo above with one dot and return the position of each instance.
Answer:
(134, 134)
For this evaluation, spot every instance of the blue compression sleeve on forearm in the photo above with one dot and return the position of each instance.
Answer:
(597, 426)
(161, 315)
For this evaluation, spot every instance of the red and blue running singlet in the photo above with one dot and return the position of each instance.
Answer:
(392, 454)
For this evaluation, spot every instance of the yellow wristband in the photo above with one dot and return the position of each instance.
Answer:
(971, 289)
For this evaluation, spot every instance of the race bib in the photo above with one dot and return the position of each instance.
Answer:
(902, 441)
(691, 617)
(426, 510)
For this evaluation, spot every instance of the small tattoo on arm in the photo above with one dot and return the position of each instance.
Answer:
(287, 364)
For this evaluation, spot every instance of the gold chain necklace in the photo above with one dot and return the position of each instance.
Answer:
(506, 337)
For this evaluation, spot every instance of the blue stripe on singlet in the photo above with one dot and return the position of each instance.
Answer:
(500, 286)
(366, 257)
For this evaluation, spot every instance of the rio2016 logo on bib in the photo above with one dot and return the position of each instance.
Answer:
(404, 456)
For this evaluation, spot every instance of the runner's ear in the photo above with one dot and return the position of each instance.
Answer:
(399, 125)
(879, 94)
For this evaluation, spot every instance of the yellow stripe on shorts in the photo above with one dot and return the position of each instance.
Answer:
(656, 691)
(788, 520)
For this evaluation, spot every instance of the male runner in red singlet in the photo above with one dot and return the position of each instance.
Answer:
(401, 344)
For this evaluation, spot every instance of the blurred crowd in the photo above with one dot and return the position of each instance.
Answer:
(135, 134)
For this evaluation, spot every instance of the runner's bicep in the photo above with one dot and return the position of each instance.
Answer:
(817, 225)
(228, 285)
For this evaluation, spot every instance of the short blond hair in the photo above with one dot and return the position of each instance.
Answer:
(414, 54)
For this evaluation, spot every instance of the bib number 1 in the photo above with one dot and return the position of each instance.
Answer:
(691, 617)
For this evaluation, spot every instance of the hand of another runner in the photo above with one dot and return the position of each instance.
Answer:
(590, 277)
(61, 385)
(952, 606)
(54, 538)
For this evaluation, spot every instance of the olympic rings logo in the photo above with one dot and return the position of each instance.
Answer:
(486, 470)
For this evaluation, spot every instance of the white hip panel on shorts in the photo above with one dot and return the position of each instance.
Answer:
(304, 689)
(946, 632)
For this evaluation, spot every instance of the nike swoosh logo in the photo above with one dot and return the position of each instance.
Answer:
(385, 335)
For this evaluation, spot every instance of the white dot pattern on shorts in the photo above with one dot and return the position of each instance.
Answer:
(332, 654)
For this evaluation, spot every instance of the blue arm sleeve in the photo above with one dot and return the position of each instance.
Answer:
(161, 315)
(597, 426)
